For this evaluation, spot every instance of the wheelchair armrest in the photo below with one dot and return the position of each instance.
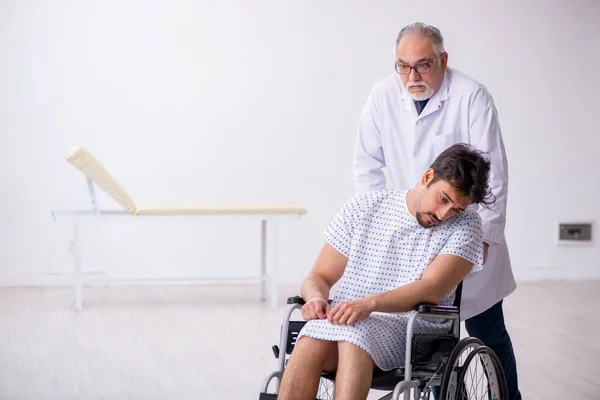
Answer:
(296, 300)
(422, 308)
(300, 300)
(435, 309)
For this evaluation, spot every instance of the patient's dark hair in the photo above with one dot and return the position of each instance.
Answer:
(467, 170)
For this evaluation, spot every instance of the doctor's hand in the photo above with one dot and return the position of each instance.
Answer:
(315, 308)
(348, 312)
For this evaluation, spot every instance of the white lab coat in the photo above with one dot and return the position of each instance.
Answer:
(392, 135)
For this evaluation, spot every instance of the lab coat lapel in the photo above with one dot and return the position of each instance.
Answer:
(408, 103)
(436, 102)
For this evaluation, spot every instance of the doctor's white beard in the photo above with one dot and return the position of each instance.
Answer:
(420, 96)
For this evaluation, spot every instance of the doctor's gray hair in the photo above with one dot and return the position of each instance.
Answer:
(423, 30)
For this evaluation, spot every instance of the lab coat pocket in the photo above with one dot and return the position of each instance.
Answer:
(443, 141)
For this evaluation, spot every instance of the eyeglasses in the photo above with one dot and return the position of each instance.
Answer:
(420, 68)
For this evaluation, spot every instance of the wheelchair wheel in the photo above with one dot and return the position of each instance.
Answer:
(456, 361)
(326, 389)
(473, 372)
(482, 376)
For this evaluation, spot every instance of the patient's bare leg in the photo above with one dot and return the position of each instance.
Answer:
(354, 373)
(309, 358)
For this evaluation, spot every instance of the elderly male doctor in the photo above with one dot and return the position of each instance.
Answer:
(411, 116)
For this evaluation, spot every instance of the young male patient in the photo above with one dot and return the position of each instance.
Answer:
(390, 250)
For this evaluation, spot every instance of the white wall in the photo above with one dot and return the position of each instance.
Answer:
(259, 101)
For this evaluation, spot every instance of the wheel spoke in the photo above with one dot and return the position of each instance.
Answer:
(481, 377)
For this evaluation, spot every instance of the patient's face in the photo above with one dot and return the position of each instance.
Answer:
(438, 202)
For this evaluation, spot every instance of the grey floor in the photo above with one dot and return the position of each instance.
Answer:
(213, 342)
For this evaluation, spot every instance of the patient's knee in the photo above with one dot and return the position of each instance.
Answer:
(316, 351)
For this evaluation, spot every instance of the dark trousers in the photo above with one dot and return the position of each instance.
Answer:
(490, 329)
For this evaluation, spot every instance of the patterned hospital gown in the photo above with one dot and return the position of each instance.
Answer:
(387, 248)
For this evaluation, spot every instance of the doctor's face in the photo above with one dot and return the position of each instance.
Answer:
(415, 50)
(438, 201)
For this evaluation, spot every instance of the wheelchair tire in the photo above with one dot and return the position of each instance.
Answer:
(482, 376)
(449, 384)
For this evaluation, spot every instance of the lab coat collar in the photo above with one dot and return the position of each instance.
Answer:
(435, 102)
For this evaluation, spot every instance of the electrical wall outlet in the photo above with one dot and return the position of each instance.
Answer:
(575, 232)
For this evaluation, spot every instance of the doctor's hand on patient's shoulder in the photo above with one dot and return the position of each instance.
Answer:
(348, 312)
(315, 308)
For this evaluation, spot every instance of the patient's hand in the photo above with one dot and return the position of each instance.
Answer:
(348, 312)
(315, 308)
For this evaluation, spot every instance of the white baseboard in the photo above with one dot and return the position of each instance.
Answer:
(556, 274)
(100, 278)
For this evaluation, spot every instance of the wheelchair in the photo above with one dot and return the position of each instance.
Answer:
(462, 369)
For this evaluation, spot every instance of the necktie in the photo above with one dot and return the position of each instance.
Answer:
(421, 105)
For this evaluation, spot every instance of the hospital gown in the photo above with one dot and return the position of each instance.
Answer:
(387, 248)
